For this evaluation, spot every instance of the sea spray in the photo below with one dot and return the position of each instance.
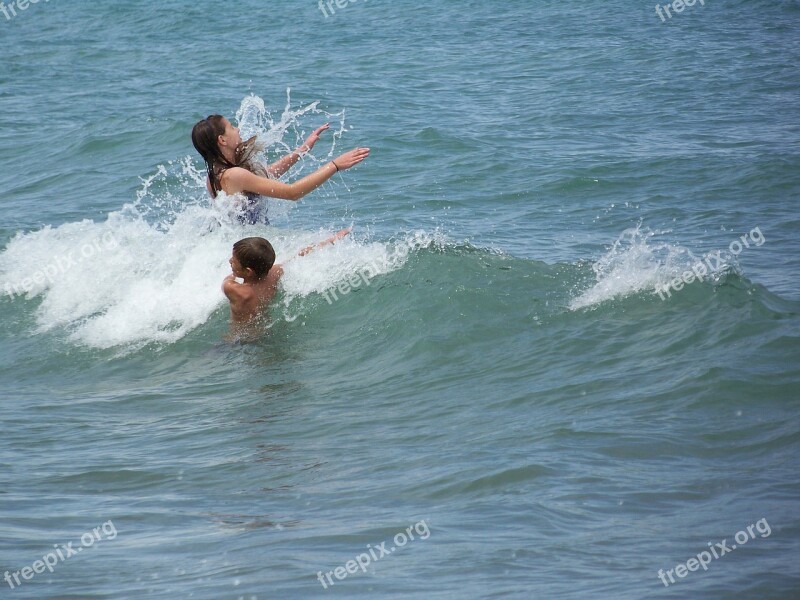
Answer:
(160, 279)
(637, 262)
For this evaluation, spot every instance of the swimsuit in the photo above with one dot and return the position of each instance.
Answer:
(253, 211)
(250, 208)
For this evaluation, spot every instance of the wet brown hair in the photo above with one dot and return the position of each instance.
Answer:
(205, 135)
(255, 253)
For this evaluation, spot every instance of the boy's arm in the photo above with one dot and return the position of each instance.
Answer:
(233, 292)
(337, 236)
(229, 287)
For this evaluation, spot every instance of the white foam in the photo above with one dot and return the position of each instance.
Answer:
(151, 283)
(285, 133)
(636, 263)
(151, 272)
(349, 260)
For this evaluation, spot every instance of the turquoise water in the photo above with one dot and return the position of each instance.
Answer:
(485, 365)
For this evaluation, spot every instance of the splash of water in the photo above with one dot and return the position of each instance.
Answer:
(151, 272)
(285, 134)
(637, 262)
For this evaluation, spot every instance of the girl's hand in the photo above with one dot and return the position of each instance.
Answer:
(351, 159)
(313, 138)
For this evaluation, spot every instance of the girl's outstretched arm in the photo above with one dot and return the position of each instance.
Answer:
(237, 179)
(279, 167)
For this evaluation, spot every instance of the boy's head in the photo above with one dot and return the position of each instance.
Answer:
(253, 253)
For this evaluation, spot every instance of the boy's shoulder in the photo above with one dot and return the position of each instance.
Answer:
(237, 291)
(276, 272)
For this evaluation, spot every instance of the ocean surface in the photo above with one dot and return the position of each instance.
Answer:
(558, 356)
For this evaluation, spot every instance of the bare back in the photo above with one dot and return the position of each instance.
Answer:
(247, 300)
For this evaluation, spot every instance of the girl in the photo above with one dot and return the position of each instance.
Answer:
(233, 168)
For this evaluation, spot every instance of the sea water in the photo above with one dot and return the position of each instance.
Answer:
(557, 357)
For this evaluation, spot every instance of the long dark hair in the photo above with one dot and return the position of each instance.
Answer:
(205, 134)
(204, 137)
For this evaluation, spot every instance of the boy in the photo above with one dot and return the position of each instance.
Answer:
(253, 260)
